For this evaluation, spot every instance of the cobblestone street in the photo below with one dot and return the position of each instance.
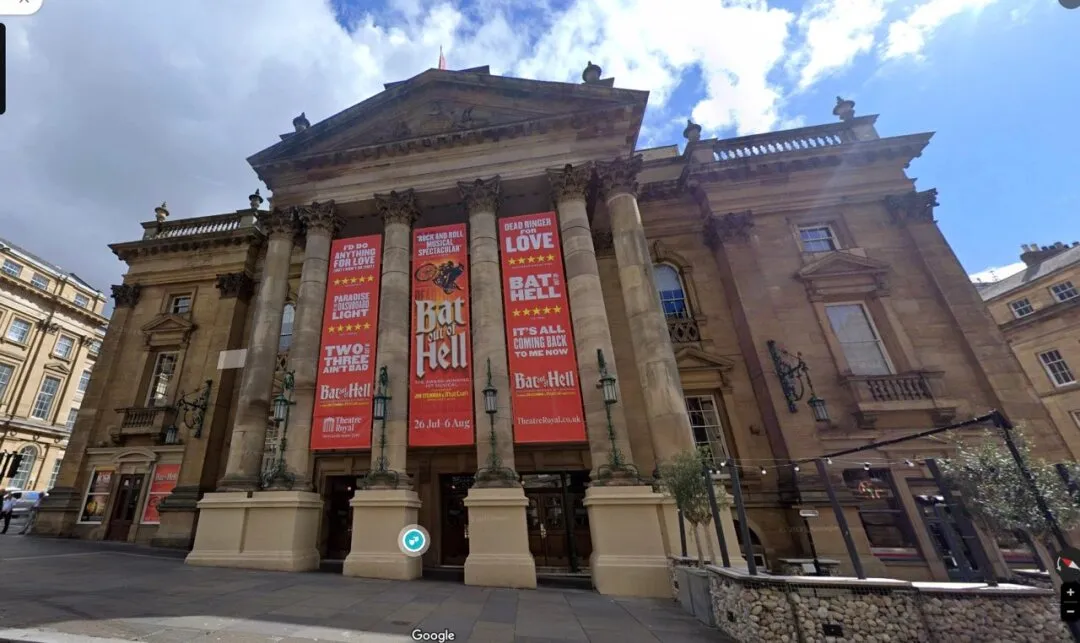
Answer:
(63, 590)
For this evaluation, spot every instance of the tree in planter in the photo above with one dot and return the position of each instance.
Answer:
(683, 477)
(996, 493)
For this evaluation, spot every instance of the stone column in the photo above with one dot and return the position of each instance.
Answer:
(321, 223)
(587, 311)
(388, 504)
(244, 464)
(499, 539)
(665, 407)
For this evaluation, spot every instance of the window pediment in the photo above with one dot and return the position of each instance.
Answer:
(57, 367)
(843, 274)
(168, 330)
(704, 365)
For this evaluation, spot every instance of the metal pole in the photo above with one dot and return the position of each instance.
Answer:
(744, 525)
(682, 533)
(813, 549)
(838, 511)
(1051, 521)
(715, 515)
(955, 547)
(963, 523)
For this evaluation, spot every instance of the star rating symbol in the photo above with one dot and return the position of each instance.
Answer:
(367, 326)
(551, 257)
(517, 313)
(536, 311)
(547, 309)
(556, 309)
(531, 259)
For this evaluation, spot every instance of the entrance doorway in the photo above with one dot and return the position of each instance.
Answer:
(126, 506)
(337, 516)
(557, 520)
(455, 518)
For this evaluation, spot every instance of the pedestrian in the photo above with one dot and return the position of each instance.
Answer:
(31, 515)
(9, 506)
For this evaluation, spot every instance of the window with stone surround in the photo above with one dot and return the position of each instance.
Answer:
(7, 371)
(73, 414)
(46, 396)
(11, 268)
(818, 238)
(40, 281)
(1064, 291)
(84, 381)
(29, 455)
(859, 339)
(1076, 417)
(1056, 369)
(706, 423)
(18, 330)
(55, 473)
(64, 347)
(288, 318)
(884, 520)
(180, 304)
(81, 300)
(161, 379)
(669, 285)
(1021, 307)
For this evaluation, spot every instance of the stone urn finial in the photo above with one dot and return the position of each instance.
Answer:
(255, 200)
(300, 123)
(592, 73)
(845, 109)
(161, 213)
(692, 133)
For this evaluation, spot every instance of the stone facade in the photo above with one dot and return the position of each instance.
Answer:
(683, 267)
(51, 328)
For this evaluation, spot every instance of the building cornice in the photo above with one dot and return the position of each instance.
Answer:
(1046, 313)
(188, 235)
(59, 303)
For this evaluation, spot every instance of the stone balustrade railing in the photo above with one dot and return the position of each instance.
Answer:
(683, 330)
(803, 138)
(195, 226)
(899, 387)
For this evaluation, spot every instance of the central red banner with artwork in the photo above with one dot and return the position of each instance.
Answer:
(545, 394)
(162, 484)
(346, 376)
(440, 385)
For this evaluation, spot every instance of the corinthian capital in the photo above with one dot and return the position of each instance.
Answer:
(398, 207)
(319, 216)
(481, 195)
(570, 182)
(276, 222)
(619, 176)
(126, 295)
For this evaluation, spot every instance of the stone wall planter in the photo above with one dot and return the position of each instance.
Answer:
(695, 595)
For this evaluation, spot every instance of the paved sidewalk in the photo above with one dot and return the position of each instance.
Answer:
(67, 591)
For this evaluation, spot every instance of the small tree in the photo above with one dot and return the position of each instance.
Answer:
(683, 477)
(996, 492)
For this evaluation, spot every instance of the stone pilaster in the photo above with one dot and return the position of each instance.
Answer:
(665, 407)
(253, 411)
(587, 311)
(321, 223)
(399, 210)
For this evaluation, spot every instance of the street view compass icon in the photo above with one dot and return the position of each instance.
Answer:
(1068, 565)
(414, 540)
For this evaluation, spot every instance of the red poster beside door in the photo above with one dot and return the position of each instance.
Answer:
(546, 396)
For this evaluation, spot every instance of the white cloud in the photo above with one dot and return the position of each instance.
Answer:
(907, 37)
(997, 273)
(834, 33)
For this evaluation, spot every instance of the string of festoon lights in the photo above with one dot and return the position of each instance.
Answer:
(749, 464)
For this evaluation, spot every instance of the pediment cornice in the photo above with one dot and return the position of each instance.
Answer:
(844, 273)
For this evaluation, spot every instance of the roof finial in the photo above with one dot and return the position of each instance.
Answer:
(845, 109)
(442, 59)
(255, 200)
(592, 73)
(301, 122)
(692, 133)
(161, 212)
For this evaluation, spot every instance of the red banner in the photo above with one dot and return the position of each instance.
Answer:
(162, 484)
(545, 394)
(346, 378)
(440, 386)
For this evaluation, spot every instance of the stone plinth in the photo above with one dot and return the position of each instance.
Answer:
(379, 515)
(498, 539)
(628, 557)
(273, 530)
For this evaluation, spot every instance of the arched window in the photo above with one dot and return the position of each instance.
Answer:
(288, 316)
(22, 476)
(672, 294)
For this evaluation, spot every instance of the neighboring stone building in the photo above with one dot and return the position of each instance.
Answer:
(1038, 310)
(689, 271)
(51, 327)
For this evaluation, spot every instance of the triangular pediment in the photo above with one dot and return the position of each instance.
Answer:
(838, 264)
(168, 330)
(57, 367)
(690, 358)
(440, 102)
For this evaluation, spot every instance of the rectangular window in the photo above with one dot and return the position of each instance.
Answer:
(883, 517)
(11, 268)
(72, 415)
(6, 372)
(817, 238)
(84, 380)
(40, 281)
(1064, 291)
(95, 347)
(180, 304)
(1021, 307)
(81, 300)
(706, 424)
(54, 474)
(65, 345)
(45, 397)
(860, 341)
(1076, 417)
(164, 369)
(1056, 368)
(18, 331)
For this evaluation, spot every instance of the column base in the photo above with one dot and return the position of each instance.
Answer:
(269, 530)
(238, 483)
(628, 556)
(58, 513)
(498, 539)
(379, 515)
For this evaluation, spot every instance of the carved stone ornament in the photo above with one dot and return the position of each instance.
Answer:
(481, 195)
(913, 207)
(603, 242)
(570, 182)
(735, 226)
(126, 295)
(619, 176)
(235, 285)
(398, 207)
(278, 221)
(319, 216)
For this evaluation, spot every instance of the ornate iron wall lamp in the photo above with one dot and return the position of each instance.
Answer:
(616, 467)
(493, 474)
(191, 408)
(382, 476)
(279, 473)
(794, 377)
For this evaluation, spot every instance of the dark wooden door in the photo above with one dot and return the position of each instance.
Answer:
(455, 519)
(338, 516)
(548, 537)
(126, 507)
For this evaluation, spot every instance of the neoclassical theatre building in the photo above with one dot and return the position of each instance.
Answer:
(474, 305)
